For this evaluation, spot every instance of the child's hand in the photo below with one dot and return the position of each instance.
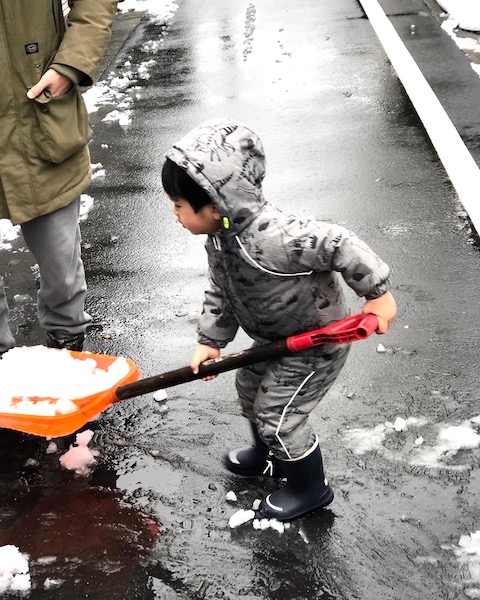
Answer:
(385, 308)
(201, 354)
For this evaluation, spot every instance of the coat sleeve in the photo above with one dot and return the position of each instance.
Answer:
(331, 247)
(217, 325)
(89, 24)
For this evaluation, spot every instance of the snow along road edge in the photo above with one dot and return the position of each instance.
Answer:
(459, 164)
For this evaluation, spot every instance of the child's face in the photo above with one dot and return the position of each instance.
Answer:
(206, 220)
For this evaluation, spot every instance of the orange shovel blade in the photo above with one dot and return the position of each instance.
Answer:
(88, 406)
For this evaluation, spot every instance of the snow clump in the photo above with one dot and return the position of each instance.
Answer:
(80, 458)
(14, 574)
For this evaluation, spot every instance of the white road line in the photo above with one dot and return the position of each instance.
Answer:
(459, 164)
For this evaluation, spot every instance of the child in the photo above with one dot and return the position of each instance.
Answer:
(274, 275)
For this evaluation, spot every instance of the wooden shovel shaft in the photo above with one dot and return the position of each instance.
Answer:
(356, 327)
(251, 356)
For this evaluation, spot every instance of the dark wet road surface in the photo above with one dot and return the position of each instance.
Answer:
(344, 143)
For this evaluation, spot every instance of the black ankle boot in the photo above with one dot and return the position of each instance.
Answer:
(306, 489)
(252, 461)
(56, 339)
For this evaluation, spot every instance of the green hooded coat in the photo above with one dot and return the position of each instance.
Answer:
(44, 158)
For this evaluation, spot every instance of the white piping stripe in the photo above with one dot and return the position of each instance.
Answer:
(268, 501)
(284, 412)
(217, 243)
(254, 263)
(307, 452)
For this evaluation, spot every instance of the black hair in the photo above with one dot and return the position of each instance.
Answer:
(178, 184)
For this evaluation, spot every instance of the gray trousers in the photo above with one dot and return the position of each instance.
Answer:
(278, 396)
(54, 241)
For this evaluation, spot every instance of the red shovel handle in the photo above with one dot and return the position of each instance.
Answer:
(351, 329)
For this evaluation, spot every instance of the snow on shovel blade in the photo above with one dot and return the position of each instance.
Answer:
(88, 407)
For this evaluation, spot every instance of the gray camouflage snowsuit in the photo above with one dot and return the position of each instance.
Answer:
(274, 275)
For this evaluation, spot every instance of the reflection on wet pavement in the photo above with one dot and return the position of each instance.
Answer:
(82, 537)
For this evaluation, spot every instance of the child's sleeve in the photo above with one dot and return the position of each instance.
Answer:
(343, 251)
(217, 325)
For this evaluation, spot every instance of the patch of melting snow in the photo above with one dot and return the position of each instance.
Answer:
(52, 584)
(361, 440)
(114, 90)
(157, 10)
(242, 516)
(14, 570)
(468, 555)
(46, 560)
(8, 233)
(450, 439)
(86, 204)
(124, 119)
(263, 524)
(98, 172)
(464, 13)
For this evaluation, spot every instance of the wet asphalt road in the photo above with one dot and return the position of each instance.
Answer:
(343, 142)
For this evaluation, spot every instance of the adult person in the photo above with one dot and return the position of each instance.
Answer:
(44, 158)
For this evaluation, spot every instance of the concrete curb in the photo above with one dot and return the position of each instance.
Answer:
(452, 151)
(123, 26)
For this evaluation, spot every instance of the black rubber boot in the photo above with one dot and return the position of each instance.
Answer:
(253, 461)
(306, 489)
(56, 339)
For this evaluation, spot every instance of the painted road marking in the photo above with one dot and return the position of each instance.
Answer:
(459, 164)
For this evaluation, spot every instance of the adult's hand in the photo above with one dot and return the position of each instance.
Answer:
(56, 83)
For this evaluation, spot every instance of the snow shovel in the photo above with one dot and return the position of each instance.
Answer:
(350, 329)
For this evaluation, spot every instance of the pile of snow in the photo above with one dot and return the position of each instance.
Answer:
(465, 13)
(42, 381)
(114, 89)
(8, 233)
(158, 10)
(14, 576)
